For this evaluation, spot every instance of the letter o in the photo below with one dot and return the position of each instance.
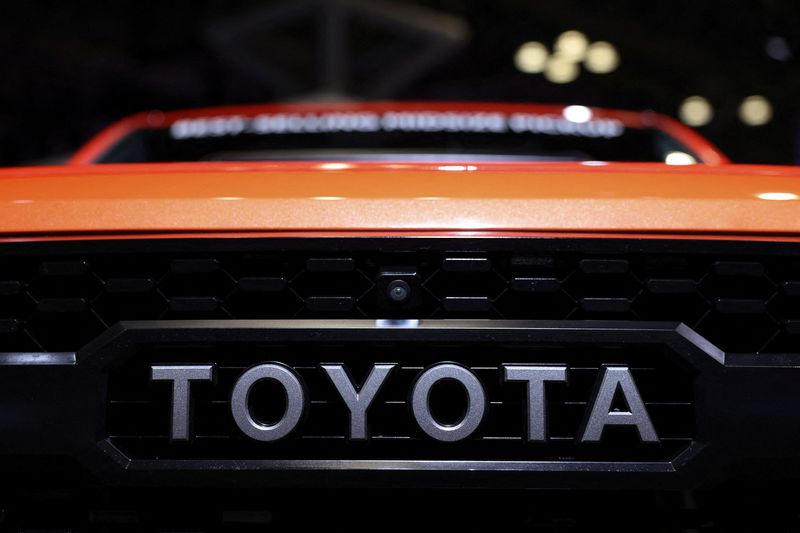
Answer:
(476, 402)
(295, 402)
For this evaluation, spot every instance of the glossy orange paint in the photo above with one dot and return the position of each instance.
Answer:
(393, 199)
(707, 152)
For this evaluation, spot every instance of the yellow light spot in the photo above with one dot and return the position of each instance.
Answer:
(560, 70)
(572, 45)
(531, 57)
(755, 111)
(601, 58)
(696, 111)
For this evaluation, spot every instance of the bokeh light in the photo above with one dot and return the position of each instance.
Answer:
(577, 113)
(561, 70)
(531, 57)
(601, 58)
(696, 111)
(755, 110)
(679, 158)
(572, 45)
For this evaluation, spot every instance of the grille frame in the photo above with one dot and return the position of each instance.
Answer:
(735, 393)
(111, 350)
(127, 347)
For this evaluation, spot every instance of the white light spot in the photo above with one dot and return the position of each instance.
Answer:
(577, 113)
(531, 57)
(696, 111)
(594, 163)
(572, 45)
(229, 198)
(779, 196)
(601, 58)
(396, 323)
(561, 70)
(334, 166)
(457, 168)
(328, 198)
(755, 111)
(679, 158)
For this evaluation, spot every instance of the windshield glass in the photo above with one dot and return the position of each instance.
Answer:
(395, 136)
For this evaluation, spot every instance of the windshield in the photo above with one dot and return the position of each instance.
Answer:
(395, 136)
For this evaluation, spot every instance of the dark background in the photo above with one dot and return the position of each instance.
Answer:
(69, 68)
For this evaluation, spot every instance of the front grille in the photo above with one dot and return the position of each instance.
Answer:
(706, 330)
(743, 297)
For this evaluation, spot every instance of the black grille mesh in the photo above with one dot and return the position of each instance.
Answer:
(741, 301)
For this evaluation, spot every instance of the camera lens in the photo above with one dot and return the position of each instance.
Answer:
(398, 291)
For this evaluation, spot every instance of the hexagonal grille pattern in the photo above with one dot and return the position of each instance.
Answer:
(742, 302)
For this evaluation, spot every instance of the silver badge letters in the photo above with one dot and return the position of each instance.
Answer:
(536, 377)
(613, 382)
(181, 376)
(613, 378)
(420, 405)
(295, 402)
(357, 401)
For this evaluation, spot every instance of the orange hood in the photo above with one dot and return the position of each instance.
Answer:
(389, 198)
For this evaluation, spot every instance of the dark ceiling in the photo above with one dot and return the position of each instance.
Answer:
(69, 68)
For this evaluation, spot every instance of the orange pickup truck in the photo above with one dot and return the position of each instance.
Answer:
(399, 294)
